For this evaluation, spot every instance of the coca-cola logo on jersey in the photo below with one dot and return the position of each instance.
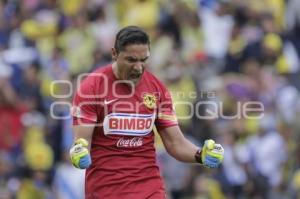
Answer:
(130, 142)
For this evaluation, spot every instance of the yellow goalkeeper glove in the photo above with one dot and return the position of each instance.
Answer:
(211, 155)
(79, 154)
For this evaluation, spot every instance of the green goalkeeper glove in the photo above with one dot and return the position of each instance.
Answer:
(79, 154)
(211, 154)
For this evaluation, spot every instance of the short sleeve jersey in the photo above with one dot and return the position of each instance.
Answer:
(122, 148)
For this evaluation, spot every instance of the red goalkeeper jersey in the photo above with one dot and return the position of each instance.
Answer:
(122, 149)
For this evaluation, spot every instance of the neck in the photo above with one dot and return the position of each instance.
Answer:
(115, 70)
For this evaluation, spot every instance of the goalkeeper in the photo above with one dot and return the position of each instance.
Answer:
(114, 114)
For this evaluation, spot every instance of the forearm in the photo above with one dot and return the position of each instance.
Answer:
(85, 132)
(80, 150)
(177, 145)
(183, 150)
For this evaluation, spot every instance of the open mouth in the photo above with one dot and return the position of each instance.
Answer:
(134, 76)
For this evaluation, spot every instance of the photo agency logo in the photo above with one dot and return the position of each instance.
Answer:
(204, 105)
(207, 105)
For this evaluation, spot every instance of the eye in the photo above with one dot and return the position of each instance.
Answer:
(144, 60)
(131, 60)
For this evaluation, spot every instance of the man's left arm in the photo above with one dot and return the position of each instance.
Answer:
(211, 154)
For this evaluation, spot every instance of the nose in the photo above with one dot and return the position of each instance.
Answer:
(138, 67)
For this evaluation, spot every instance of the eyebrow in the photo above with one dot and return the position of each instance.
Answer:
(136, 59)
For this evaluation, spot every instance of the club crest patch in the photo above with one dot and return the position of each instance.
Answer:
(149, 100)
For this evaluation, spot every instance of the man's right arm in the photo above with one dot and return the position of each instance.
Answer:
(84, 120)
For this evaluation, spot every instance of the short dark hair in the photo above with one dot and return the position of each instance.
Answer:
(130, 35)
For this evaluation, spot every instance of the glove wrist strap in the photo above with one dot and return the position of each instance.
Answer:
(198, 156)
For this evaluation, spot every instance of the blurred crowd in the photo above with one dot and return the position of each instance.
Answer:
(217, 57)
